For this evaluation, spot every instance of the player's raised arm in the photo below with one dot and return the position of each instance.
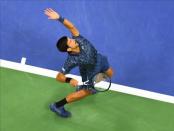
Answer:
(53, 15)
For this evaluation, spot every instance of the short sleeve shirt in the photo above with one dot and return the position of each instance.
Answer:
(86, 59)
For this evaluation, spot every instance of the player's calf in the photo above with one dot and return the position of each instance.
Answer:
(78, 95)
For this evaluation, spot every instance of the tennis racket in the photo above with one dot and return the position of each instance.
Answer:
(101, 82)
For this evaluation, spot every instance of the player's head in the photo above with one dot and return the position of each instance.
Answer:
(62, 44)
(66, 44)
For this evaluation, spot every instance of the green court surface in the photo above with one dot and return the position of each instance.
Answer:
(25, 97)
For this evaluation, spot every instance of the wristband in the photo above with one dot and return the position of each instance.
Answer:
(61, 19)
(68, 79)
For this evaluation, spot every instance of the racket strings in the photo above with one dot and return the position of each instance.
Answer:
(102, 82)
(100, 77)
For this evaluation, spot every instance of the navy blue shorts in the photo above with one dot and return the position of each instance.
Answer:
(101, 66)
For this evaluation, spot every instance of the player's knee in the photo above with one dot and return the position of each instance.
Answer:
(80, 94)
(84, 93)
(110, 72)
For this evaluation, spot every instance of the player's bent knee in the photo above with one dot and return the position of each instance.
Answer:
(109, 72)
(85, 92)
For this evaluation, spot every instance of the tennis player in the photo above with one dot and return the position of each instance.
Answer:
(81, 53)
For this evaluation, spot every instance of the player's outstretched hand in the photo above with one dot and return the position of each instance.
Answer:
(53, 15)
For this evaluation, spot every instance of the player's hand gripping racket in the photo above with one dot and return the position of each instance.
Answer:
(101, 82)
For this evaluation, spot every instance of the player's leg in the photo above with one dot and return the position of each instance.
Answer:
(75, 96)
(58, 107)
(109, 72)
(105, 67)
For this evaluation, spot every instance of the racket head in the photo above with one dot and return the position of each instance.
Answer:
(101, 82)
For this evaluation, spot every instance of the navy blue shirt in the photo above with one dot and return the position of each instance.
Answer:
(86, 59)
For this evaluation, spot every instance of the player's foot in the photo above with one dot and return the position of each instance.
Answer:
(60, 111)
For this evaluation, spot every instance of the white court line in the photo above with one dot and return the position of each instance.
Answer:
(115, 87)
(23, 60)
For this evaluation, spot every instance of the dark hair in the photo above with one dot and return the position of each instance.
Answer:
(62, 44)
